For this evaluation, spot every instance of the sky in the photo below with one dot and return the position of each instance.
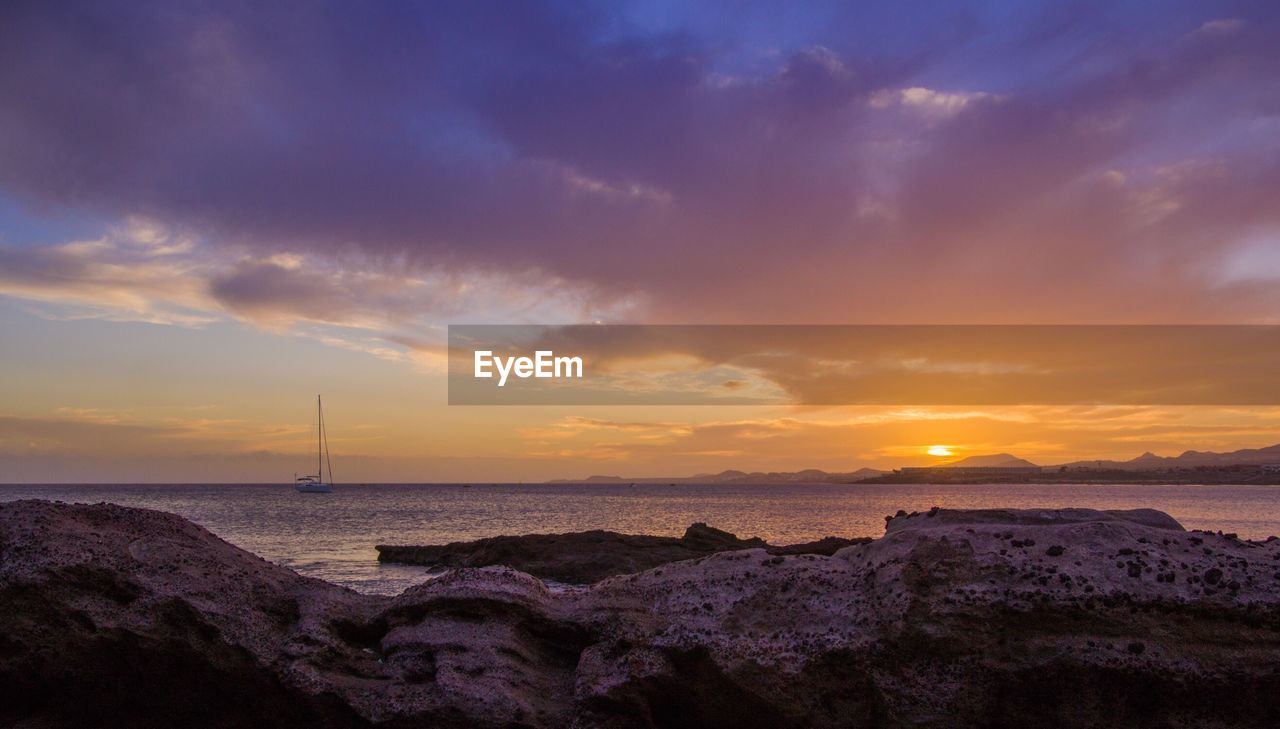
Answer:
(209, 212)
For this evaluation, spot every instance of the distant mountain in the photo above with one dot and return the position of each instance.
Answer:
(996, 460)
(1145, 462)
(1189, 459)
(811, 475)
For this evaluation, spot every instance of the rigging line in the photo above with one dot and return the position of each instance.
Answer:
(325, 435)
(319, 439)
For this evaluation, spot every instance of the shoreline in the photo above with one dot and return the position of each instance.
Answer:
(1232, 476)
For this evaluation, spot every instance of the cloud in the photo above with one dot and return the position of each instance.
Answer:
(860, 165)
(134, 272)
(144, 271)
(937, 104)
(846, 438)
(1256, 259)
(91, 445)
(1221, 26)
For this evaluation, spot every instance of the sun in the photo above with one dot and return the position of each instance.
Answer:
(940, 450)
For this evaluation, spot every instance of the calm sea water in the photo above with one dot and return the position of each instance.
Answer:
(331, 536)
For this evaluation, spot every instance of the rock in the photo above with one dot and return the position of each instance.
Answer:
(127, 617)
(1047, 517)
(586, 557)
(1056, 550)
(826, 546)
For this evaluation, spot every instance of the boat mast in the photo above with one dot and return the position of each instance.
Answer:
(319, 436)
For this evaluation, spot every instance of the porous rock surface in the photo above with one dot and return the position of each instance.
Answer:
(124, 617)
(584, 557)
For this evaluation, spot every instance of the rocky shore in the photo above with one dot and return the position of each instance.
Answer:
(112, 616)
(585, 557)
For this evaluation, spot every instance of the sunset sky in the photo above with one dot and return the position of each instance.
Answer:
(210, 212)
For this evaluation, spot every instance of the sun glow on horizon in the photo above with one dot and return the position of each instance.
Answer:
(940, 451)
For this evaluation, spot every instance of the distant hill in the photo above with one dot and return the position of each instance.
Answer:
(1144, 462)
(996, 460)
(811, 475)
(1189, 459)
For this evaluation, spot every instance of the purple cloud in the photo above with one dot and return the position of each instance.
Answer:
(1091, 165)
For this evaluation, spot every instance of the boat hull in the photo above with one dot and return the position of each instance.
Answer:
(313, 488)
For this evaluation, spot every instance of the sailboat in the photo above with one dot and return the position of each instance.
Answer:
(316, 484)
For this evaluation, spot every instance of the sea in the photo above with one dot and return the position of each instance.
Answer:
(332, 536)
